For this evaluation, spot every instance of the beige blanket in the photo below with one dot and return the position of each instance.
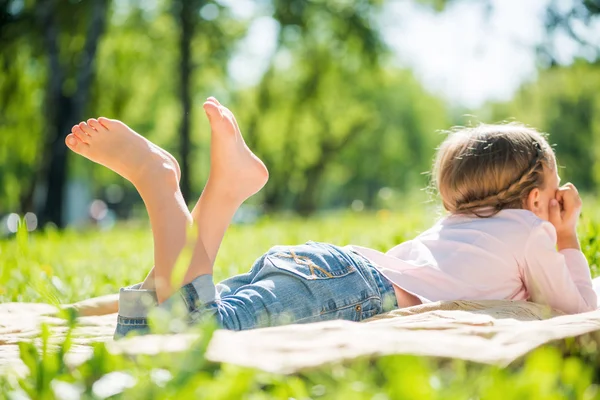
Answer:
(492, 332)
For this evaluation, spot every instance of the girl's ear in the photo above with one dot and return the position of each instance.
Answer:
(532, 203)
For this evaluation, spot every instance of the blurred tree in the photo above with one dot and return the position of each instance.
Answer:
(70, 75)
(330, 116)
(187, 16)
(48, 58)
(198, 19)
(328, 45)
(396, 150)
(20, 77)
(575, 21)
(48, 30)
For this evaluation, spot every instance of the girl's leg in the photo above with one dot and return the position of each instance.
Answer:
(154, 173)
(235, 174)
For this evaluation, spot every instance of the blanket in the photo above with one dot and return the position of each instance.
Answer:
(491, 332)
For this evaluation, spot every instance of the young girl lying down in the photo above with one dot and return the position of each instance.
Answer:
(510, 233)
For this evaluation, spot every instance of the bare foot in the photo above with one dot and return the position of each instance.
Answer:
(113, 144)
(234, 170)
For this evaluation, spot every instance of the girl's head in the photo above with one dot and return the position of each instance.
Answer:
(488, 168)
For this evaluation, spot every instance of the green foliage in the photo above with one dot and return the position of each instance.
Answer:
(46, 365)
(330, 116)
(21, 99)
(334, 121)
(65, 267)
(89, 263)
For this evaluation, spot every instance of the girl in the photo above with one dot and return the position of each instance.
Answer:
(510, 234)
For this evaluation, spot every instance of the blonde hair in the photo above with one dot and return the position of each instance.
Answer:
(487, 168)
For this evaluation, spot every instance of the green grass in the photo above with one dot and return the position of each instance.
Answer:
(63, 267)
(68, 266)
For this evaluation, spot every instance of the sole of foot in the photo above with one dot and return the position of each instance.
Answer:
(114, 145)
(235, 171)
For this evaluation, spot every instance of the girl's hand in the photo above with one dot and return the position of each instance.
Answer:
(564, 213)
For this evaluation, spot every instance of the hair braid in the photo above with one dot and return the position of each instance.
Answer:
(512, 196)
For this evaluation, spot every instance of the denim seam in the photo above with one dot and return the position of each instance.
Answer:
(200, 312)
(185, 296)
(378, 286)
(132, 321)
(370, 271)
(195, 299)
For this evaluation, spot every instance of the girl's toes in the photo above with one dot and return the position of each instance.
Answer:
(108, 123)
(95, 124)
(87, 129)
(71, 141)
(212, 110)
(228, 114)
(75, 144)
(79, 134)
(214, 100)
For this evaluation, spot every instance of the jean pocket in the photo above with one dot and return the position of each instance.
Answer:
(307, 264)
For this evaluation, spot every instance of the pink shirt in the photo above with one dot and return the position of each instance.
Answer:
(511, 256)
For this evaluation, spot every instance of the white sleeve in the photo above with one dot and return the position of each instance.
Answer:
(562, 279)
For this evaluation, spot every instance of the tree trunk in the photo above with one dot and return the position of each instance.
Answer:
(187, 16)
(64, 111)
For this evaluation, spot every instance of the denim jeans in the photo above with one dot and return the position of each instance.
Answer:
(288, 284)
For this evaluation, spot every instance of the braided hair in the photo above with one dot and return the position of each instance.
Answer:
(488, 168)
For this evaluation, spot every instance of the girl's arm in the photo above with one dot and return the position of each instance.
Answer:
(560, 279)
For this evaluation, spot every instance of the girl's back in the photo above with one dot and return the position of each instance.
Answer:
(509, 256)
